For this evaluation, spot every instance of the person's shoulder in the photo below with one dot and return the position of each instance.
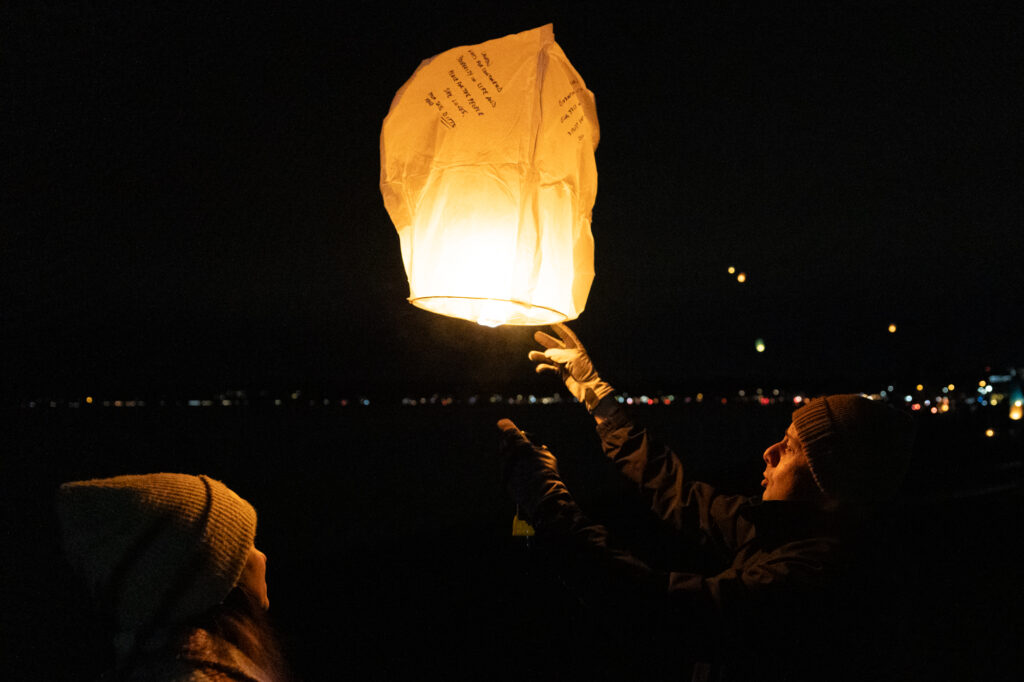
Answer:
(203, 657)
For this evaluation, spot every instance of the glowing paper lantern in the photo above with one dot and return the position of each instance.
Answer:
(488, 173)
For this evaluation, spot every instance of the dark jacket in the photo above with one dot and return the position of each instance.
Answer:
(760, 592)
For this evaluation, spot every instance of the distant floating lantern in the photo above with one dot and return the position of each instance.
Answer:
(1017, 410)
(741, 278)
(990, 432)
(759, 345)
(892, 329)
(732, 270)
(488, 173)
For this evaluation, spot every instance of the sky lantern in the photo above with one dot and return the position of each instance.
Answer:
(759, 345)
(892, 328)
(488, 173)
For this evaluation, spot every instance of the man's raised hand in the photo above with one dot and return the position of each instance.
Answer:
(567, 357)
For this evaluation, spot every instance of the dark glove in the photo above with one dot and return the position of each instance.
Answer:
(529, 472)
(567, 358)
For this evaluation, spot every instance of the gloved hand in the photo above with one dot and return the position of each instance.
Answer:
(568, 358)
(529, 472)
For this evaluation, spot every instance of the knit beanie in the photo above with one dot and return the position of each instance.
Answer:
(156, 549)
(858, 449)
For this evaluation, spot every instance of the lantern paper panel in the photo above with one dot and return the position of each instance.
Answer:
(488, 173)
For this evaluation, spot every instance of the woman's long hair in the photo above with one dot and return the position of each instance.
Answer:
(242, 621)
(239, 620)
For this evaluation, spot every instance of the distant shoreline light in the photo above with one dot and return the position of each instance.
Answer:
(916, 398)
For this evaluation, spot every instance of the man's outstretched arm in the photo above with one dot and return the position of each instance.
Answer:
(688, 506)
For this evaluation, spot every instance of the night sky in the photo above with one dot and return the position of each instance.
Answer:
(192, 202)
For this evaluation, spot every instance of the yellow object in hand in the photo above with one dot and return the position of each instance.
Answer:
(521, 528)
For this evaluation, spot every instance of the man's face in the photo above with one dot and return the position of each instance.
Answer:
(787, 474)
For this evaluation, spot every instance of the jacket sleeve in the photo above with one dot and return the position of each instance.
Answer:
(692, 508)
(711, 611)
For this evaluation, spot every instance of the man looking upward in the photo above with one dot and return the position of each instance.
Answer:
(766, 592)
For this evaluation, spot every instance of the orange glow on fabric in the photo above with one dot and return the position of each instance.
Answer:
(488, 173)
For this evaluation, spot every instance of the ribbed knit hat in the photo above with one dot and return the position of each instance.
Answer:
(157, 548)
(858, 449)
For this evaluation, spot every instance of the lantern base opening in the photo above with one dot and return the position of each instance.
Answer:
(490, 312)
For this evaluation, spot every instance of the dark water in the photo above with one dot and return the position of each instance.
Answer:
(388, 534)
